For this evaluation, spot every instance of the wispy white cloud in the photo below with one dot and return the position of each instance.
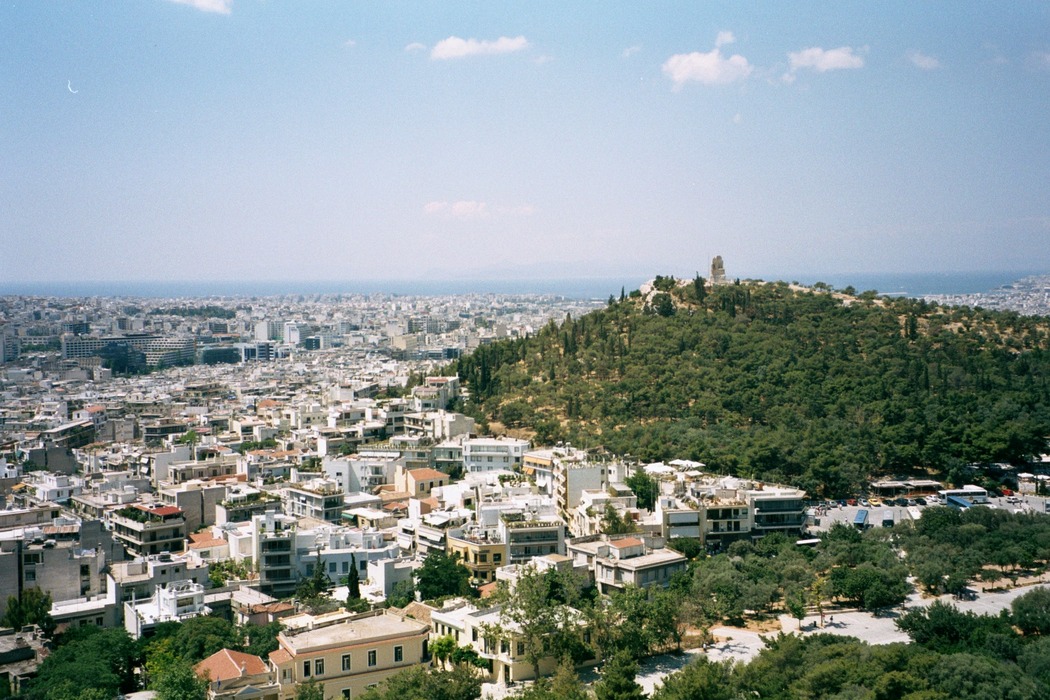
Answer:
(415, 47)
(710, 68)
(1039, 60)
(470, 210)
(823, 60)
(455, 47)
(921, 60)
(630, 51)
(221, 7)
(723, 38)
(349, 43)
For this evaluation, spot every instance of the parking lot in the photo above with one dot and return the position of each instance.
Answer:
(827, 515)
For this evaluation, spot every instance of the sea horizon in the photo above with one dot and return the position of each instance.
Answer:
(914, 284)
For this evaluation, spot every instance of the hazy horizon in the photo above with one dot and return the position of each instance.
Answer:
(915, 284)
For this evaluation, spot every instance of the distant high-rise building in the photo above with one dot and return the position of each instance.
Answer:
(154, 350)
(9, 345)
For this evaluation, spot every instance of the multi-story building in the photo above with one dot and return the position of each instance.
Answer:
(419, 483)
(66, 561)
(718, 510)
(321, 499)
(338, 548)
(273, 549)
(69, 435)
(618, 562)
(198, 501)
(529, 534)
(174, 602)
(574, 473)
(215, 467)
(495, 640)
(364, 471)
(139, 578)
(145, 530)
(491, 454)
(158, 351)
(482, 551)
(347, 653)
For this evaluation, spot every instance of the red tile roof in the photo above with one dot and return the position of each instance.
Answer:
(426, 473)
(164, 511)
(280, 656)
(226, 664)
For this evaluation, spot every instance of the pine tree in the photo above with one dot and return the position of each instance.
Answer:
(353, 581)
(617, 681)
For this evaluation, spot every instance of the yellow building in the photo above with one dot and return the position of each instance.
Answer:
(480, 553)
(347, 653)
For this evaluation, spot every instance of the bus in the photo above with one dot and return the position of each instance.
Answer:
(860, 521)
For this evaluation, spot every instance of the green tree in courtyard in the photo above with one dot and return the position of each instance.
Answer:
(180, 682)
(442, 575)
(617, 679)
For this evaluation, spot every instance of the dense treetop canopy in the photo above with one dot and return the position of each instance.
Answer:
(813, 387)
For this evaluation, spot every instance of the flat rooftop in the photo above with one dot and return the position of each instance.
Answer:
(354, 631)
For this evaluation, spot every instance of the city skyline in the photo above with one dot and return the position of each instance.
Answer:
(209, 140)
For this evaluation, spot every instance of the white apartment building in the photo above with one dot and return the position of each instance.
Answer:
(174, 602)
(493, 454)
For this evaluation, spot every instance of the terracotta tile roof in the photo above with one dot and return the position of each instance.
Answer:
(205, 543)
(417, 611)
(227, 664)
(626, 542)
(279, 656)
(427, 473)
(163, 511)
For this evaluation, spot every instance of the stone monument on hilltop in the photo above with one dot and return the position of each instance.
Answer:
(718, 271)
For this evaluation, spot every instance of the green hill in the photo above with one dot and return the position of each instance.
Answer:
(807, 386)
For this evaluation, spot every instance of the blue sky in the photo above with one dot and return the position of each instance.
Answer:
(259, 139)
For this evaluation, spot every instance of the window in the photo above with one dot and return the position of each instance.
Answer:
(497, 558)
(318, 667)
(483, 557)
(346, 567)
(331, 567)
(371, 657)
(521, 648)
(399, 654)
(346, 694)
(306, 669)
(346, 662)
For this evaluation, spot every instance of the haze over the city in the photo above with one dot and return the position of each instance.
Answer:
(240, 139)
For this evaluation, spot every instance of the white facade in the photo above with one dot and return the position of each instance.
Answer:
(492, 454)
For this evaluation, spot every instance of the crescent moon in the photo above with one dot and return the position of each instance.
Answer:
(69, 86)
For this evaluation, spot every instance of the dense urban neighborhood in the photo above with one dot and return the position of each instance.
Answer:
(300, 497)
